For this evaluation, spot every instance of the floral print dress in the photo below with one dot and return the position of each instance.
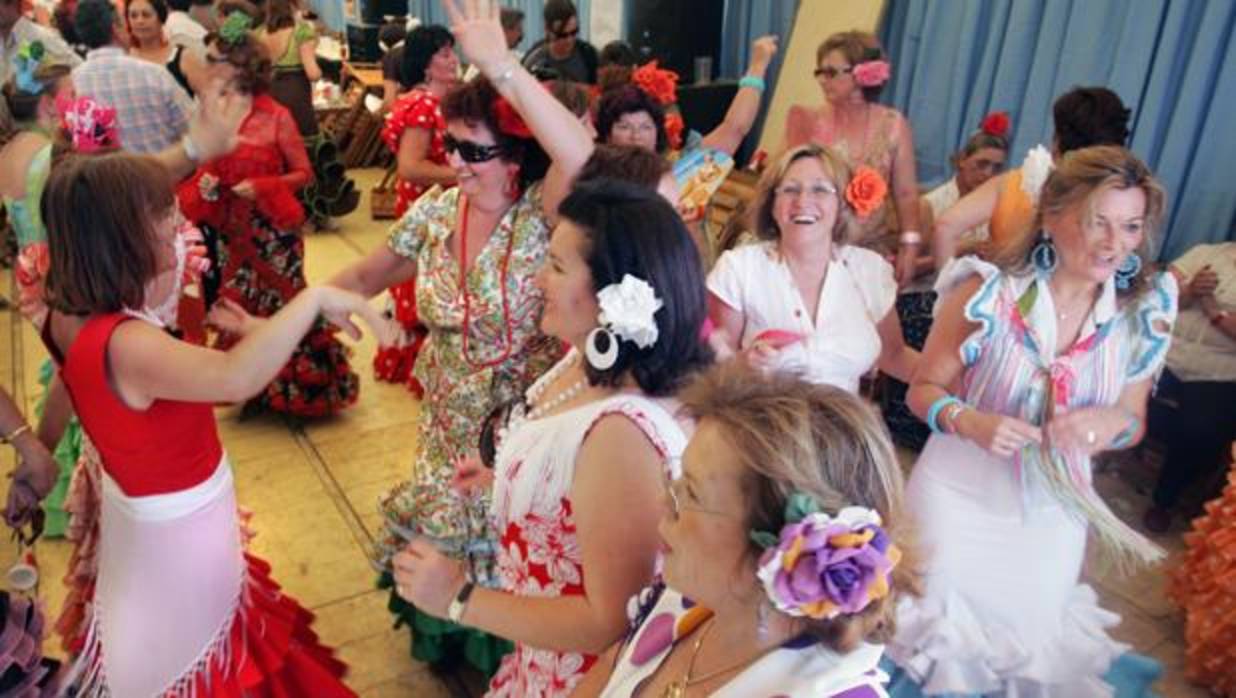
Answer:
(484, 348)
(260, 255)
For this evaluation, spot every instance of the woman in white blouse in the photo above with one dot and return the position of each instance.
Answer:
(802, 299)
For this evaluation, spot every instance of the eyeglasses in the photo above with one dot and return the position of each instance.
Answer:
(829, 72)
(558, 36)
(470, 151)
(679, 501)
(817, 191)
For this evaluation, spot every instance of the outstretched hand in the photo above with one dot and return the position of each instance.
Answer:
(215, 126)
(478, 31)
(338, 306)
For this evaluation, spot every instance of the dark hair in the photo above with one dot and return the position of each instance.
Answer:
(629, 99)
(473, 103)
(626, 163)
(21, 107)
(100, 212)
(250, 58)
(418, 50)
(510, 17)
(633, 230)
(179, 5)
(280, 14)
(618, 52)
(572, 95)
(159, 7)
(978, 140)
(95, 23)
(558, 12)
(392, 33)
(1086, 116)
(857, 47)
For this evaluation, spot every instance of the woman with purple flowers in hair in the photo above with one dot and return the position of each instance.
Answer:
(784, 553)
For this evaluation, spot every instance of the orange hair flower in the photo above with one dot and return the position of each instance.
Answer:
(866, 191)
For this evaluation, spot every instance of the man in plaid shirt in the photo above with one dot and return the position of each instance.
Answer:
(152, 110)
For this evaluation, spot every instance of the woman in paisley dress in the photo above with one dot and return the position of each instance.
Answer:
(851, 68)
(246, 203)
(582, 458)
(1052, 355)
(413, 132)
(473, 250)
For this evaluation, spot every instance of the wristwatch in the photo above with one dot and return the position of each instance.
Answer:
(459, 604)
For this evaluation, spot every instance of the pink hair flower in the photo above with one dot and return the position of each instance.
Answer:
(872, 73)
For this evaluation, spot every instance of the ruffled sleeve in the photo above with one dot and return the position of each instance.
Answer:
(417, 109)
(303, 32)
(981, 308)
(409, 233)
(1152, 316)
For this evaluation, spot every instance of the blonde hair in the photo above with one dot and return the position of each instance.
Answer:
(1081, 176)
(835, 169)
(794, 436)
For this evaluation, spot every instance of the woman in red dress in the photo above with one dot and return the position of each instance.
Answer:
(179, 608)
(246, 204)
(413, 132)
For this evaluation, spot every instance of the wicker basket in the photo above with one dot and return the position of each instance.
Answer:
(383, 197)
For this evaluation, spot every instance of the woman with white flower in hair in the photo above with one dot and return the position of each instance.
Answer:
(581, 460)
(785, 552)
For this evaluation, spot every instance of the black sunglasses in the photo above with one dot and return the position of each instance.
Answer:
(469, 151)
(831, 72)
(565, 35)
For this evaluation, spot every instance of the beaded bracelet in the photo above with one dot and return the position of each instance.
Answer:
(1125, 437)
(755, 83)
(933, 414)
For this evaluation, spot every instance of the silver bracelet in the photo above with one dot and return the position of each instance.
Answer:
(191, 149)
(506, 74)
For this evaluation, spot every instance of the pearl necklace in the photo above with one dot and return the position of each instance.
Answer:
(537, 391)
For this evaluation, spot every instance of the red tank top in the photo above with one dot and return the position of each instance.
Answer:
(168, 447)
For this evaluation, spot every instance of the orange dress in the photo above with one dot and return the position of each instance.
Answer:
(1205, 586)
(1013, 216)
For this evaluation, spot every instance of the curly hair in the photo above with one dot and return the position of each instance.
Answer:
(791, 436)
(1086, 116)
(419, 48)
(473, 103)
(857, 47)
(629, 99)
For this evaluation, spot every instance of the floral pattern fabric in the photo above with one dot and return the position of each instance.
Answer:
(260, 254)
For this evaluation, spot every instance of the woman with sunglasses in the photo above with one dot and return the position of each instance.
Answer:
(852, 70)
(246, 205)
(474, 250)
(785, 551)
(413, 131)
(580, 460)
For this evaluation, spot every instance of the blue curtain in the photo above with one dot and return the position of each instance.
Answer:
(432, 12)
(742, 22)
(331, 12)
(1172, 61)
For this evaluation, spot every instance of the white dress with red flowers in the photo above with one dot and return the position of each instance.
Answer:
(539, 552)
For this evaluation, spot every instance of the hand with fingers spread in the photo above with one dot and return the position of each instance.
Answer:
(215, 126)
(1000, 435)
(471, 476)
(426, 578)
(338, 306)
(478, 32)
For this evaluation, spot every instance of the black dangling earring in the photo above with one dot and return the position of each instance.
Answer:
(1044, 254)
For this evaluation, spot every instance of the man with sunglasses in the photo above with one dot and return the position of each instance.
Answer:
(562, 51)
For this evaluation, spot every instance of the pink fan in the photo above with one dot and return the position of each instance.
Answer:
(780, 339)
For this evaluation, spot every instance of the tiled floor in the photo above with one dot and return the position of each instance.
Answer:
(313, 490)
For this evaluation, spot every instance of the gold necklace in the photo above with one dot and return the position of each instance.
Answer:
(678, 689)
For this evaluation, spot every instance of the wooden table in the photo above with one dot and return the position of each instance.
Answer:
(366, 74)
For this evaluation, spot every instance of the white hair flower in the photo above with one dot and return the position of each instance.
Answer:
(628, 310)
(1034, 171)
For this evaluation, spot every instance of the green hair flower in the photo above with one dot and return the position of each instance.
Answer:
(235, 28)
(29, 58)
(32, 51)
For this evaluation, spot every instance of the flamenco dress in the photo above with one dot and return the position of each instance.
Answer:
(180, 608)
(258, 254)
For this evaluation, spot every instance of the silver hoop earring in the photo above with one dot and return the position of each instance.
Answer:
(601, 349)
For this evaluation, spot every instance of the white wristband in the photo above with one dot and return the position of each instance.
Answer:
(191, 149)
(911, 237)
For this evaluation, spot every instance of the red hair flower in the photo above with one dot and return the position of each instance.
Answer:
(509, 120)
(996, 124)
(673, 129)
(661, 85)
(866, 191)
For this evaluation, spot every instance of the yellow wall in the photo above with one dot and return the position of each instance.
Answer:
(816, 20)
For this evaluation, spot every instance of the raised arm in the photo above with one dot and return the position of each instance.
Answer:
(745, 108)
(478, 34)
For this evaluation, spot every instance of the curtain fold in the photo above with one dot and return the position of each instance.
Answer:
(1172, 61)
(432, 12)
(742, 22)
